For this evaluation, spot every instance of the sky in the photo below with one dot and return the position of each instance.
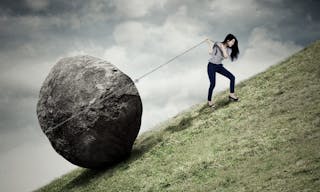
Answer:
(136, 36)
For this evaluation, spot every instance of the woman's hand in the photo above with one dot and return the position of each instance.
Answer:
(209, 41)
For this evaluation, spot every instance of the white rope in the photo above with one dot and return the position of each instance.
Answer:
(136, 81)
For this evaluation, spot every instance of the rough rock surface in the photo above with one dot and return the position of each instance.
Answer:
(106, 106)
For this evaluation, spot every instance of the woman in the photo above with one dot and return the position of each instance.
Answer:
(219, 51)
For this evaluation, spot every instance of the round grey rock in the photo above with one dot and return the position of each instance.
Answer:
(90, 111)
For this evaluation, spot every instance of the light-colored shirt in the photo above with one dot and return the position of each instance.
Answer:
(217, 55)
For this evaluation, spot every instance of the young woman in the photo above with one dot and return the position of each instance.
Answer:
(219, 51)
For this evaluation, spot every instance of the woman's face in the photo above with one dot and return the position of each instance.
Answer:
(230, 42)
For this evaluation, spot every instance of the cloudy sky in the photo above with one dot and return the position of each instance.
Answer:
(136, 36)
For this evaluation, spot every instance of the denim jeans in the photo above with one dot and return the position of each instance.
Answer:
(212, 68)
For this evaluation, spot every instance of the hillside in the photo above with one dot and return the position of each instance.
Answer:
(268, 141)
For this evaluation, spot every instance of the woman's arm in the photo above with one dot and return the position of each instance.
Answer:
(224, 50)
(210, 45)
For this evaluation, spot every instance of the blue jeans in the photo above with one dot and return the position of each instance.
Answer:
(212, 69)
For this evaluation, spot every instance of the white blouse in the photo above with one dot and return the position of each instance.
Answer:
(217, 55)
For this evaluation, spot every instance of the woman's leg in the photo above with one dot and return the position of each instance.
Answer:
(228, 74)
(211, 68)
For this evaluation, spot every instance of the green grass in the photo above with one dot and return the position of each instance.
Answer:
(268, 141)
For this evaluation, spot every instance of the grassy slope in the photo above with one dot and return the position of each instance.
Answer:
(269, 141)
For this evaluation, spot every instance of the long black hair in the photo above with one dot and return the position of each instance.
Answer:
(235, 50)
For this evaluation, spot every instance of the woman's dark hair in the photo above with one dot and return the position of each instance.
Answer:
(235, 50)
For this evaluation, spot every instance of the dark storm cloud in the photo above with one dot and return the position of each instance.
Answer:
(74, 20)
(56, 7)
(59, 20)
(297, 20)
(303, 7)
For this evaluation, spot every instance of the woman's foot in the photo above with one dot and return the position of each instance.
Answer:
(233, 97)
(211, 104)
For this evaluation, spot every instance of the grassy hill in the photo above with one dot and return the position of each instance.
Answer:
(268, 141)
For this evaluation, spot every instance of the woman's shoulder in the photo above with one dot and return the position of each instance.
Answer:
(217, 43)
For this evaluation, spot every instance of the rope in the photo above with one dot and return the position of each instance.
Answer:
(136, 81)
(170, 60)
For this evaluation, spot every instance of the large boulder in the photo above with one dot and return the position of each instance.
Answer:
(90, 111)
